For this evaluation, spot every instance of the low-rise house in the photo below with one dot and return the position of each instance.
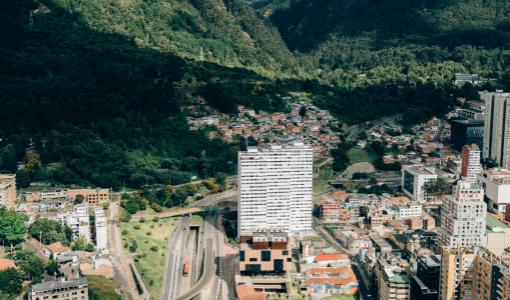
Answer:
(72, 289)
(331, 280)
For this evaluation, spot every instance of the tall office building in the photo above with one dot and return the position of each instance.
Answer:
(463, 217)
(471, 166)
(275, 189)
(466, 132)
(456, 280)
(496, 136)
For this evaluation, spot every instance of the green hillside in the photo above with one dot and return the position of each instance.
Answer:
(355, 42)
(225, 32)
(102, 105)
(99, 88)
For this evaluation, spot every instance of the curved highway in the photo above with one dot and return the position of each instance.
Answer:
(207, 275)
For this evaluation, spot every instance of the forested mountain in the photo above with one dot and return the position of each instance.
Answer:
(227, 32)
(355, 42)
(99, 88)
(105, 108)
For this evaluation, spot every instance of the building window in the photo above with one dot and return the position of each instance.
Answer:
(241, 255)
(266, 255)
(285, 252)
(253, 259)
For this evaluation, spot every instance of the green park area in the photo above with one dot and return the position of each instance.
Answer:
(101, 288)
(149, 239)
(357, 155)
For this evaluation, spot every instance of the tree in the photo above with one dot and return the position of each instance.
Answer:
(10, 281)
(436, 187)
(32, 267)
(12, 226)
(52, 267)
(302, 111)
(79, 244)
(50, 231)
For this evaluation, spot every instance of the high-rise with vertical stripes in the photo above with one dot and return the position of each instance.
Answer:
(275, 189)
(496, 136)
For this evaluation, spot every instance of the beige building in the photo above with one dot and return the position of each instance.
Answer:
(393, 279)
(456, 280)
(92, 196)
(491, 279)
(7, 190)
(71, 289)
(268, 253)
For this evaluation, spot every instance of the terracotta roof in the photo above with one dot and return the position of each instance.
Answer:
(331, 256)
(333, 280)
(246, 292)
(6, 264)
(339, 195)
(57, 248)
(328, 270)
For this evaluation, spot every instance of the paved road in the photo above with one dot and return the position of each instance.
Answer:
(215, 199)
(173, 266)
(120, 259)
(208, 274)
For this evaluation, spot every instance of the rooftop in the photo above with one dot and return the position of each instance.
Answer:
(52, 285)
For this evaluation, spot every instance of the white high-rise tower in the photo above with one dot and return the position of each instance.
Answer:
(275, 189)
(463, 217)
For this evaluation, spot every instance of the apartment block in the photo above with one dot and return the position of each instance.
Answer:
(92, 196)
(463, 216)
(471, 166)
(7, 190)
(414, 178)
(496, 183)
(457, 273)
(70, 289)
(408, 211)
(330, 212)
(496, 137)
(393, 279)
(275, 189)
(79, 221)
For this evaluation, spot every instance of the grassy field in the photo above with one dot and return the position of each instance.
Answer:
(101, 288)
(150, 263)
(320, 182)
(357, 155)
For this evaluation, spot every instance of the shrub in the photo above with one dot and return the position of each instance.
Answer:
(142, 220)
(154, 248)
(155, 219)
(148, 233)
(125, 232)
(136, 226)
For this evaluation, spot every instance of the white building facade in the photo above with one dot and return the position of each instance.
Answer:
(100, 227)
(275, 189)
(496, 135)
(409, 211)
(496, 183)
(414, 178)
(463, 217)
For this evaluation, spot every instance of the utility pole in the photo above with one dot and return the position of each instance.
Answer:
(201, 53)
